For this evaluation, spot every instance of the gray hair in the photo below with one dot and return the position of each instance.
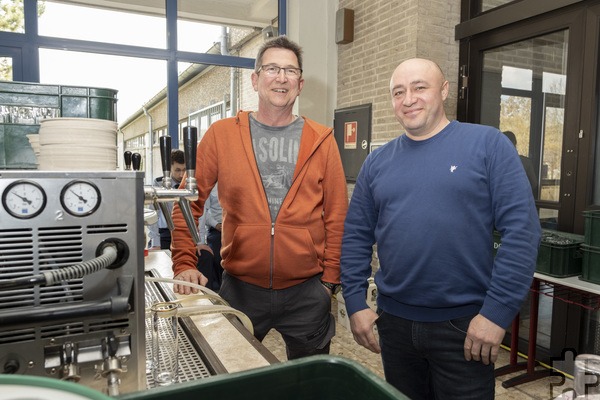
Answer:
(279, 42)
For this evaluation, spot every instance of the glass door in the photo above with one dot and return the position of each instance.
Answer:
(523, 92)
(526, 78)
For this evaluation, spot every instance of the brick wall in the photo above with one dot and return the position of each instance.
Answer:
(386, 32)
(248, 99)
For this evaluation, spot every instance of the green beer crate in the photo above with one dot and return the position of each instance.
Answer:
(560, 254)
(591, 264)
(592, 228)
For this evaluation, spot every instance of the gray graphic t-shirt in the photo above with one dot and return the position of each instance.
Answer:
(276, 151)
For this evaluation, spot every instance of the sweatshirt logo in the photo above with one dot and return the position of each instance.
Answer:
(453, 168)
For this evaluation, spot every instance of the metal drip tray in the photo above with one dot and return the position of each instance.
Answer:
(191, 364)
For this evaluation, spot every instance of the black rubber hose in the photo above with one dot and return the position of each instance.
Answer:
(108, 257)
(48, 278)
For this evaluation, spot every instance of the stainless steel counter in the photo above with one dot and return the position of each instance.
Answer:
(224, 344)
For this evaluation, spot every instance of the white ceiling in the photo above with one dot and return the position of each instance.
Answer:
(254, 13)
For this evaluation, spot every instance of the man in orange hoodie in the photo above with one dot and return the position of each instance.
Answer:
(283, 192)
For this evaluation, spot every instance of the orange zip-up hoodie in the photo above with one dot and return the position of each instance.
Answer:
(305, 239)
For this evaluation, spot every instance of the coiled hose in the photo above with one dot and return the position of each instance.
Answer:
(47, 278)
(108, 257)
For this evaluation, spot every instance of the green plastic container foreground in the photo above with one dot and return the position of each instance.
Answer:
(43, 388)
(310, 378)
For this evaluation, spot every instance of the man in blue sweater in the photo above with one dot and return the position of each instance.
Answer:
(431, 199)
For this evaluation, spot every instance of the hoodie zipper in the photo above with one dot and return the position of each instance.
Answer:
(272, 241)
(271, 255)
(272, 250)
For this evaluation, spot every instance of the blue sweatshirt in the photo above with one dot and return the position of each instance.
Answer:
(431, 206)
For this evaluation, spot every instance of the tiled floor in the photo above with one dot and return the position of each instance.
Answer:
(344, 345)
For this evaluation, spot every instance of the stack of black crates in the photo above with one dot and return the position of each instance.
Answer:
(591, 247)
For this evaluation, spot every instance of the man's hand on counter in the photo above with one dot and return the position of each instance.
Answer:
(189, 275)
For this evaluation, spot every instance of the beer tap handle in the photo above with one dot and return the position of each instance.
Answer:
(127, 157)
(190, 143)
(136, 160)
(165, 159)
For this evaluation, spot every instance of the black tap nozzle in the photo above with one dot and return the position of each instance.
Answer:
(165, 152)
(136, 160)
(165, 159)
(127, 157)
(190, 143)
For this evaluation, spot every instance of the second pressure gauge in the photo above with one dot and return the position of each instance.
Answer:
(80, 198)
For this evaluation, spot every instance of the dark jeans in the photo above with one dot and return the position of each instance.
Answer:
(301, 313)
(210, 264)
(165, 238)
(425, 360)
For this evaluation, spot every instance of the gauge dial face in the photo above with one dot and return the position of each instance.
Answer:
(24, 199)
(80, 198)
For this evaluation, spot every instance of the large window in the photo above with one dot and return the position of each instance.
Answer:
(523, 91)
(140, 30)
(71, 21)
(140, 49)
(136, 79)
(12, 16)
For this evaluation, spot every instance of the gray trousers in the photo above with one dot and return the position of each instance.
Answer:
(301, 313)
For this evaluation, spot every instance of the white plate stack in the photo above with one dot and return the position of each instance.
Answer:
(34, 140)
(77, 144)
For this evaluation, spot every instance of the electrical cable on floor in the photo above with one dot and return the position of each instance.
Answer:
(539, 362)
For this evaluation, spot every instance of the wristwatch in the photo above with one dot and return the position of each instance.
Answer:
(334, 287)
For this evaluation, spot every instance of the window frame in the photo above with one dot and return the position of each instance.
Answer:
(27, 60)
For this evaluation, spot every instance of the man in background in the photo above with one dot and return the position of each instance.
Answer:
(160, 236)
(209, 249)
(527, 165)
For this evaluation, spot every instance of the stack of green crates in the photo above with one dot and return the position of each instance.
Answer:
(559, 254)
(591, 248)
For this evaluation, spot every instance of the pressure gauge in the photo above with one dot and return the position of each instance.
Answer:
(24, 199)
(80, 198)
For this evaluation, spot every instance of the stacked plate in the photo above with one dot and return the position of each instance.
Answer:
(34, 140)
(77, 144)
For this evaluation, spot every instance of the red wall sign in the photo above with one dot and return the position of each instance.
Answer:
(350, 135)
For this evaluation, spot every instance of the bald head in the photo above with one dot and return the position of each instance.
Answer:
(418, 90)
(426, 66)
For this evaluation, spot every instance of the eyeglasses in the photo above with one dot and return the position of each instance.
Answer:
(273, 70)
